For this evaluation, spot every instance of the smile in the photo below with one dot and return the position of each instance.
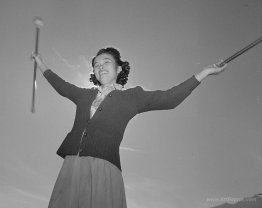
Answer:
(102, 73)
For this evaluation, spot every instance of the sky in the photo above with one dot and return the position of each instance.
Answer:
(208, 147)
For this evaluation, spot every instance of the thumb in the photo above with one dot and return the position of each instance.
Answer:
(221, 63)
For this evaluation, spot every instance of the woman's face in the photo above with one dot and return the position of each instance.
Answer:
(106, 69)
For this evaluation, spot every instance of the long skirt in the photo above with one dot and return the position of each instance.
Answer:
(88, 182)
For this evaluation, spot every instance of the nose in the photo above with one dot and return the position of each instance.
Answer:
(101, 66)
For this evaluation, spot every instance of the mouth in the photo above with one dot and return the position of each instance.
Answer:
(103, 73)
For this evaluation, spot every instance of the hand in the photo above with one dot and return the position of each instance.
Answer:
(215, 69)
(38, 59)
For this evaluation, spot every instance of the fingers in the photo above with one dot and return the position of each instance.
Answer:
(215, 69)
(217, 65)
(35, 57)
(32, 56)
(220, 64)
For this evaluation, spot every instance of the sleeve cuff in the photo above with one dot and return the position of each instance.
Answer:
(196, 80)
(47, 72)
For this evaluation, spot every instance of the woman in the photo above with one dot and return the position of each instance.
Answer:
(90, 176)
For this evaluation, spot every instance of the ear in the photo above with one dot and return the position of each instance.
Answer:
(119, 69)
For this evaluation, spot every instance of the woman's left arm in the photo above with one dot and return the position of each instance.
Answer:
(169, 99)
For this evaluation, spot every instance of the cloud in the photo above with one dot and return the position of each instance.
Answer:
(131, 149)
(23, 186)
(152, 186)
(12, 196)
(151, 192)
(83, 62)
(82, 69)
(21, 169)
(87, 64)
(65, 61)
(28, 194)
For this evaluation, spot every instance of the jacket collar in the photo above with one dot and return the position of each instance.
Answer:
(109, 88)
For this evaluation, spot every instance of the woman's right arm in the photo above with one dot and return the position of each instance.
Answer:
(64, 88)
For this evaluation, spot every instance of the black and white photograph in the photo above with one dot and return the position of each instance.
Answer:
(131, 104)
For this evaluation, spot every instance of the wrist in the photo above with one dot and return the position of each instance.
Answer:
(202, 75)
(42, 66)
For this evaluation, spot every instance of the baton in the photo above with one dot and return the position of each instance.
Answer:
(243, 50)
(38, 23)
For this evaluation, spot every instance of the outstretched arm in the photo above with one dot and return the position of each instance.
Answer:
(64, 88)
(171, 98)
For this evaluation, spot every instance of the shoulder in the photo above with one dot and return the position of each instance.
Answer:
(134, 89)
(90, 89)
(134, 92)
(86, 90)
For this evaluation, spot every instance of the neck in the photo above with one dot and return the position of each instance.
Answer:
(107, 85)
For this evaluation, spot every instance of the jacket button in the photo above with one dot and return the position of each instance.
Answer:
(100, 109)
(110, 95)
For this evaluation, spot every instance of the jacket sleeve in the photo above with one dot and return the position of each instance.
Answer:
(64, 88)
(164, 100)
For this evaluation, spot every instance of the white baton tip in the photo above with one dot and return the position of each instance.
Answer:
(38, 22)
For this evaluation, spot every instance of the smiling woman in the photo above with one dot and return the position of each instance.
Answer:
(91, 172)
(108, 61)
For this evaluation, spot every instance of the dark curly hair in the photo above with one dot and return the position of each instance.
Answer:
(122, 77)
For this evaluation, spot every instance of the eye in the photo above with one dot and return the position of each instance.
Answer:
(96, 66)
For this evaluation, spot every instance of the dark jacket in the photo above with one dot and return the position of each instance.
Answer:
(101, 135)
